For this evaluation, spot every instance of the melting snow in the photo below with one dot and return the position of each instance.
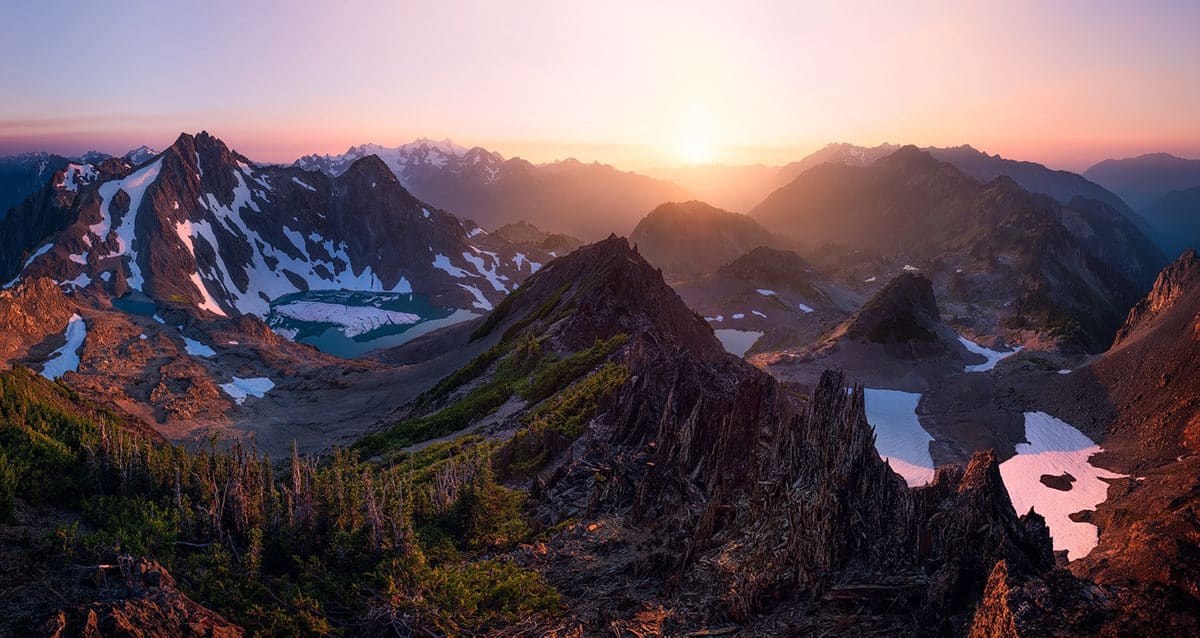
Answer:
(759, 314)
(66, 358)
(195, 348)
(353, 320)
(910, 268)
(765, 292)
(442, 262)
(135, 187)
(297, 180)
(1054, 448)
(241, 388)
(37, 253)
(870, 279)
(490, 273)
(899, 437)
(76, 175)
(993, 356)
(480, 302)
(805, 308)
(739, 315)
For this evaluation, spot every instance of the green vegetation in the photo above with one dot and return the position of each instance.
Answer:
(558, 421)
(526, 372)
(336, 547)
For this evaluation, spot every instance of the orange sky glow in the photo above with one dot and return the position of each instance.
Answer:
(635, 84)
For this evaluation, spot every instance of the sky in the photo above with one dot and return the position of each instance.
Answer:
(635, 84)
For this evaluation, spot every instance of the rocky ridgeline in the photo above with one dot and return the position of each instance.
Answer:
(1173, 282)
(755, 498)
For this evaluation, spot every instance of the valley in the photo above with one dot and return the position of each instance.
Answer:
(708, 424)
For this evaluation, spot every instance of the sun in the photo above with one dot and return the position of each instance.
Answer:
(695, 149)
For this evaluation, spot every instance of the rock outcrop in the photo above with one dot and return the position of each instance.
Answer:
(30, 312)
(138, 598)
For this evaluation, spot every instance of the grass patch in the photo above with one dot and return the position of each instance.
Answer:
(554, 424)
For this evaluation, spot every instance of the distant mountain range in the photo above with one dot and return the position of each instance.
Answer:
(201, 228)
(1060, 265)
(23, 174)
(588, 201)
(1162, 188)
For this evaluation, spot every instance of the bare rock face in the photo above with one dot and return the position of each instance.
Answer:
(1173, 282)
(903, 315)
(139, 598)
(30, 312)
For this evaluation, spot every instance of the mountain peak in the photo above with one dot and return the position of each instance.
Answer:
(1176, 280)
(904, 311)
(908, 157)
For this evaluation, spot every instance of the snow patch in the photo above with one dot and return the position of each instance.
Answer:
(899, 437)
(66, 358)
(297, 180)
(197, 349)
(442, 262)
(1055, 447)
(993, 356)
(241, 388)
(135, 187)
(480, 302)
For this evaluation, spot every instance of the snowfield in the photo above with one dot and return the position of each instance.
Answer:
(66, 358)
(135, 187)
(197, 349)
(899, 437)
(241, 388)
(1055, 447)
(351, 320)
(993, 356)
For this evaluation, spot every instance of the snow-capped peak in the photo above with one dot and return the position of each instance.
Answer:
(139, 155)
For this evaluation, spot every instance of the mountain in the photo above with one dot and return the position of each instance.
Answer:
(718, 491)
(1176, 219)
(693, 238)
(773, 297)
(585, 200)
(527, 234)
(1141, 180)
(21, 175)
(202, 228)
(895, 340)
(1063, 186)
(1070, 270)
(1139, 400)
(139, 155)
(835, 153)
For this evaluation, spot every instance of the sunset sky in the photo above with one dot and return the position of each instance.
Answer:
(636, 84)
